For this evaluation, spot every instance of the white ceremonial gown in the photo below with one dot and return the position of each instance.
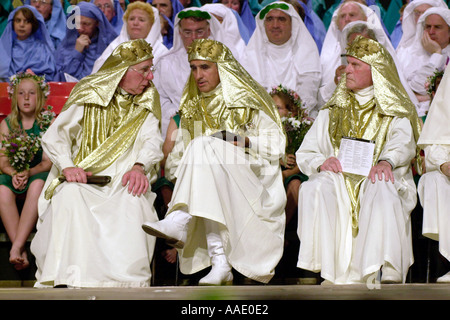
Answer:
(242, 191)
(325, 221)
(91, 236)
(154, 38)
(434, 193)
(434, 186)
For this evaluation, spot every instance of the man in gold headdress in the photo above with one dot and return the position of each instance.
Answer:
(351, 225)
(86, 234)
(227, 208)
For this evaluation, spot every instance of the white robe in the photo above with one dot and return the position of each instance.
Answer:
(154, 38)
(434, 193)
(91, 236)
(241, 191)
(325, 222)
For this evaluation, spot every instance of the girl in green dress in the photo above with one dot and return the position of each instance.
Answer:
(28, 117)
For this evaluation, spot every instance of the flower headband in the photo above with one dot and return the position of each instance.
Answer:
(291, 93)
(15, 80)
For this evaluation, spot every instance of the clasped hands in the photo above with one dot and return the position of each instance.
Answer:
(381, 168)
(136, 179)
(20, 179)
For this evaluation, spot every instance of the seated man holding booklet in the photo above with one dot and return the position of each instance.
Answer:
(351, 225)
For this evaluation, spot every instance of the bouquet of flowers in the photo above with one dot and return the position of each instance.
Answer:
(296, 129)
(297, 123)
(20, 149)
(47, 116)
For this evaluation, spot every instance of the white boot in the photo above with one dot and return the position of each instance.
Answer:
(220, 273)
(389, 274)
(173, 228)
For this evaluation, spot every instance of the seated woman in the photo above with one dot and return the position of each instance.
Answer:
(29, 118)
(26, 44)
(141, 21)
(84, 42)
(289, 107)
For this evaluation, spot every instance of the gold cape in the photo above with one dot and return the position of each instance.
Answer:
(370, 121)
(232, 104)
(112, 118)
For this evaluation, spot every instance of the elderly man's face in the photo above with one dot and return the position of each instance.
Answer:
(164, 6)
(438, 29)
(44, 7)
(191, 29)
(278, 26)
(138, 77)
(349, 12)
(359, 75)
(206, 75)
(88, 26)
(107, 8)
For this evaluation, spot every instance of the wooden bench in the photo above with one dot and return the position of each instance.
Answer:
(59, 92)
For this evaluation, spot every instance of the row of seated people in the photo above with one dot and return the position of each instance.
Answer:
(282, 48)
(288, 104)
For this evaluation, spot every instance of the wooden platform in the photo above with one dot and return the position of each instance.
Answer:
(242, 293)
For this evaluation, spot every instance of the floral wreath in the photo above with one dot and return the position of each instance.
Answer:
(15, 80)
(291, 93)
(430, 84)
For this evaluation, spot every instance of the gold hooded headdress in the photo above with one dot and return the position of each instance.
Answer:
(112, 118)
(240, 93)
(371, 120)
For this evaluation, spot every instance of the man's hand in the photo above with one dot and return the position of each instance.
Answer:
(331, 164)
(137, 180)
(429, 45)
(445, 168)
(83, 41)
(75, 174)
(383, 167)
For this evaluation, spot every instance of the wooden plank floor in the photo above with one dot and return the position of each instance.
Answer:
(257, 292)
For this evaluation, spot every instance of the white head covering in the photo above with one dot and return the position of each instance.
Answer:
(417, 49)
(330, 57)
(230, 28)
(409, 23)
(383, 40)
(437, 129)
(287, 64)
(154, 37)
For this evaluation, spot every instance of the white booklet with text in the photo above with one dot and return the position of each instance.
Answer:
(356, 155)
